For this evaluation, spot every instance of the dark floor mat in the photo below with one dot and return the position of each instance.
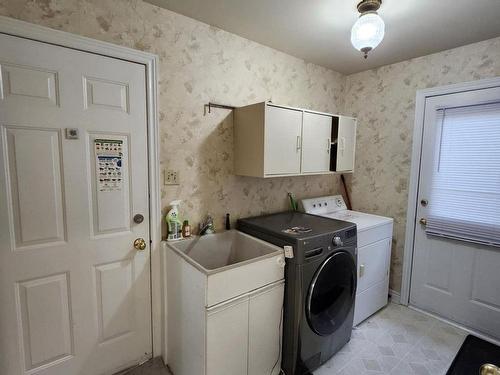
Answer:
(473, 353)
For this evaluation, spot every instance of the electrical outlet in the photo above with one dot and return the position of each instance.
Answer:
(171, 177)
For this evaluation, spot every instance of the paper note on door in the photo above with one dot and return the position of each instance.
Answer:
(108, 156)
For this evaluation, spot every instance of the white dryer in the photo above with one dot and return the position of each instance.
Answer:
(374, 251)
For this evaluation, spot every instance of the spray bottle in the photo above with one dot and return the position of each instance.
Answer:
(173, 222)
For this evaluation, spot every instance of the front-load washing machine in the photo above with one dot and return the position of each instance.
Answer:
(320, 284)
(374, 251)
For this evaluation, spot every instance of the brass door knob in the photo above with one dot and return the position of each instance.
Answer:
(140, 244)
(423, 221)
(489, 369)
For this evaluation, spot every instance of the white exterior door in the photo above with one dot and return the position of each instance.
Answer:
(452, 276)
(74, 292)
(316, 135)
(283, 141)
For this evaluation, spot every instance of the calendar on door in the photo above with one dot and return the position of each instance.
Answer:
(109, 161)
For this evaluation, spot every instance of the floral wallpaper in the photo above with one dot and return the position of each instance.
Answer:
(383, 100)
(198, 64)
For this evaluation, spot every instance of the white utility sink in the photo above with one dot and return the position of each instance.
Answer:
(215, 252)
(225, 297)
(230, 263)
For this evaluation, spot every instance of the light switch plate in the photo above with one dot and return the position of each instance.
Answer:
(171, 177)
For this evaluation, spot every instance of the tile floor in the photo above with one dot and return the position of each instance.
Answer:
(395, 341)
(398, 341)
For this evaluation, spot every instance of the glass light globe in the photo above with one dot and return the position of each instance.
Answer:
(367, 32)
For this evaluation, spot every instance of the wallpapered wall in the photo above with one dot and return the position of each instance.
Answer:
(199, 63)
(383, 100)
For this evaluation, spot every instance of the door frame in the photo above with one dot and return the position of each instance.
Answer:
(43, 34)
(413, 187)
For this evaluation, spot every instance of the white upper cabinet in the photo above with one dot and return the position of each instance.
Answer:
(316, 143)
(346, 140)
(283, 130)
(273, 141)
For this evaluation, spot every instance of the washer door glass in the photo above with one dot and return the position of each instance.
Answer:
(331, 293)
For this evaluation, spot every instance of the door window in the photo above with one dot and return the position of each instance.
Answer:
(465, 188)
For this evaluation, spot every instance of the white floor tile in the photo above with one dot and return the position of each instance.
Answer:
(397, 340)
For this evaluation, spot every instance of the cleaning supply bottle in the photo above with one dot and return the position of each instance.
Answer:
(186, 229)
(173, 222)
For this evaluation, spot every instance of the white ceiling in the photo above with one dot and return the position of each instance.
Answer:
(318, 31)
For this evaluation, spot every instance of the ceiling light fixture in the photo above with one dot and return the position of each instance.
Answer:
(369, 29)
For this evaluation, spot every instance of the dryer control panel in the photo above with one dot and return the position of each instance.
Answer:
(323, 205)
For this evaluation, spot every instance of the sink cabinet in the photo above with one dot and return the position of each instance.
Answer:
(226, 320)
(243, 335)
(273, 141)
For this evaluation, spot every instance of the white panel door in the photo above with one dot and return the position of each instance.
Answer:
(74, 292)
(316, 143)
(456, 279)
(346, 144)
(283, 141)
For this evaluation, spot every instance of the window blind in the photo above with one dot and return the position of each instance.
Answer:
(465, 189)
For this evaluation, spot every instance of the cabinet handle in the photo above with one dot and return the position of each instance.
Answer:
(361, 270)
(298, 143)
(328, 145)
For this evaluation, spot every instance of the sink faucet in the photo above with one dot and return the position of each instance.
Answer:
(207, 226)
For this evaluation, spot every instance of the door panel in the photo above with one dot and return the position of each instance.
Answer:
(439, 266)
(316, 135)
(264, 331)
(106, 94)
(75, 293)
(28, 84)
(485, 275)
(346, 144)
(227, 332)
(452, 278)
(115, 306)
(44, 308)
(34, 159)
(283, 141)
(110, 202)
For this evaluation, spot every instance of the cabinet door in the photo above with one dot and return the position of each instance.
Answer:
(283, 141)
(346, 144)
(264, 332)
(316, 136)
(227, 338)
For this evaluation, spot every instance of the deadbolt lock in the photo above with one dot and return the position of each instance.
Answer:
(138, 218)
(140, 244)
(424, 202)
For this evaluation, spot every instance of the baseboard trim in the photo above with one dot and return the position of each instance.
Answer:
(395, 297)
